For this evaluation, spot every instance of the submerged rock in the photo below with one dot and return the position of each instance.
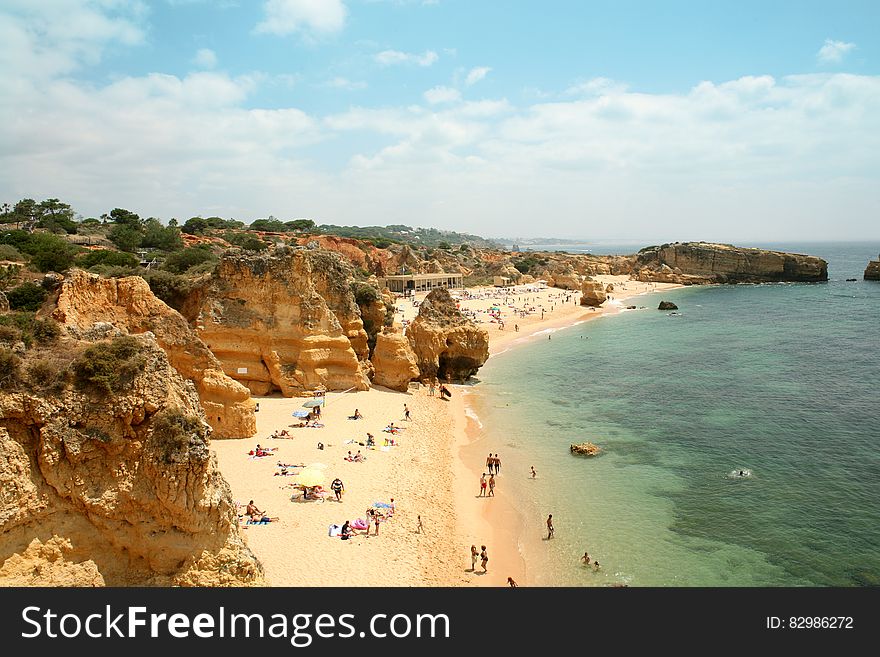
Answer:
(585, 449)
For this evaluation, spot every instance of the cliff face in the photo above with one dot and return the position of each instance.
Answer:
(86, 299)
(394, 360)
(701, 262)
(446, 344)
(872, 271)
(114, 488)
(592, 293)
(285, 320)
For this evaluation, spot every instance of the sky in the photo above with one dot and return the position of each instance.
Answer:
(595, 120)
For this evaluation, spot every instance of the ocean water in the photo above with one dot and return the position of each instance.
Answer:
(779, 380)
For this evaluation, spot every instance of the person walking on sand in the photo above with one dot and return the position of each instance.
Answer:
(337, 487)
(512, 582)
(491, 485)
(405, 412)
(474, 556)
(490, 463)
(484, 558)
(534, 474)
(497, 465)
(419, 528)
(482, 485)
(550, 530)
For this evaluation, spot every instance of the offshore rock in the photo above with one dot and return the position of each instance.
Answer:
(691, 263)
(446, 344)
(285, 320)
(872, 271)
(667, 305)
(89, 306)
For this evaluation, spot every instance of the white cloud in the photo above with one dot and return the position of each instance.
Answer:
(205, 58)
(284, 17)
(391, 57)
(437, 95)
(596, 87)
(833, 52)
(345, 83)
(476, 74)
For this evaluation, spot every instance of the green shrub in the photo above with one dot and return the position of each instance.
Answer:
(49, 373)
(175, 434)
(9, 252)
(181, 261)
(9, 334)
(106, 257)
(27, 296)
(125, 237)
(108, 368)
(245, 241)
(9, 368)
(46, 331)
(50, 252)
(364, 293)
(171, 288)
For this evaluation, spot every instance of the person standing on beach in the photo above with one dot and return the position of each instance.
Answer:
(484, 558)
(490, 463)
(550, 530)
(474, 556)
(482, 485)
(497, 465)
(534, 474)
(491, 485)
(337, 487)
(405, 412)
(512, 582)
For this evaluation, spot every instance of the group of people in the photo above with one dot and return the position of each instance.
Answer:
(482, 557)
(379, 512)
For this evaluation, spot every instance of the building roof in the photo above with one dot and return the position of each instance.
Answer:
(403, 277)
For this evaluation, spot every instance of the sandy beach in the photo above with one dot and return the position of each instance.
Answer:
(433, 472)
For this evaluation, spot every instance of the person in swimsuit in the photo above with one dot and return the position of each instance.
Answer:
(497, 465)
(491, 485)
(484, 558)
(474, 556)
(490, 463)
(550, 530)
(586, 559)
(337, 487)
(534, 474)
(512, 582)
(482, 485)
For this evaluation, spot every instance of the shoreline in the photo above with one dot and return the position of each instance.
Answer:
(433, 472)
(470, 433)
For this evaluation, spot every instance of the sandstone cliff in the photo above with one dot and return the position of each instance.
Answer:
(872, 271)
(105, 473)
(285, 320)
(701, 262)
(86, 299)
(394, 361)
(446, 344)
(592, 293)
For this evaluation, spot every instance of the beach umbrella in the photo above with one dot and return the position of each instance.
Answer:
(313, 402)
(310, 477)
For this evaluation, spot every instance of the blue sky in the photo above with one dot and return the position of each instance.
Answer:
(598, 120)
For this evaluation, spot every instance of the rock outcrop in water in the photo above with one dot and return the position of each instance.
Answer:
(446, 344)
(285, 320)
(872, 271)
(667, 305)
(692, 263)
(86, 300)
(106, 475)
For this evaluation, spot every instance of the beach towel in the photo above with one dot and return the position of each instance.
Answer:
(333, 530)
(381, 505)
(360, 523)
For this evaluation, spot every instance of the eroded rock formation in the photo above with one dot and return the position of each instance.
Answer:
(394, 361)
(872, 271)
(592, 294)
(86, 299)
(701, 262)
(285, 320)
(117, 487)
(446, 344)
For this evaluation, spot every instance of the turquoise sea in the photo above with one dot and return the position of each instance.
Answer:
(779, 380)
